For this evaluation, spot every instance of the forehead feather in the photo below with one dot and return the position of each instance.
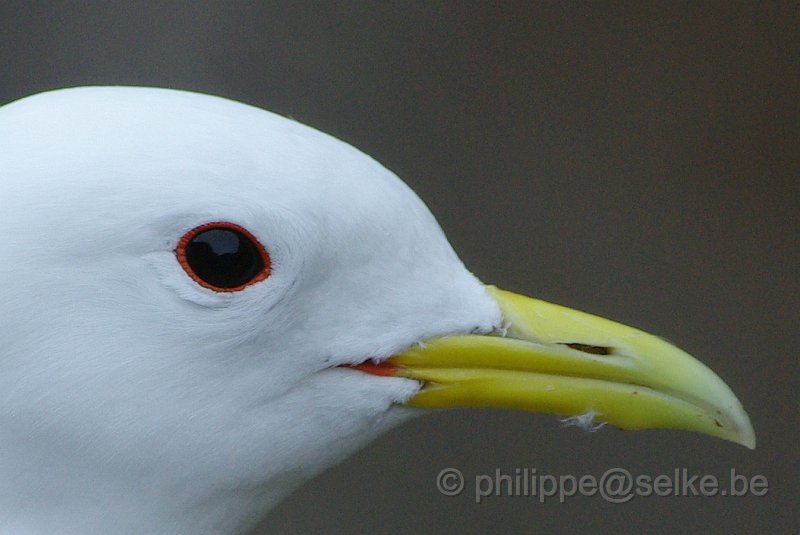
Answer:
(127, 149)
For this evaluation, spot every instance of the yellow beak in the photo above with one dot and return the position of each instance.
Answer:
(557, 360)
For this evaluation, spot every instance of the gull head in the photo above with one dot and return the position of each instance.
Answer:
(205, 304)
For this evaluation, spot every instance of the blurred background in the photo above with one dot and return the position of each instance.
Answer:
(636, 160)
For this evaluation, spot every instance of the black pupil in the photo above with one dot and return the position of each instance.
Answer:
(224, 258)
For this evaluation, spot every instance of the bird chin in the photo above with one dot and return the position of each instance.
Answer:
(377, 380)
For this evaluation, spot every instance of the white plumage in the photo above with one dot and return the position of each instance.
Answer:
(185, 281)
(133, 400)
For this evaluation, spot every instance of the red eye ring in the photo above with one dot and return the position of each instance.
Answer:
(223, 256)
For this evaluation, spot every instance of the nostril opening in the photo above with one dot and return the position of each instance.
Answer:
(594, 350)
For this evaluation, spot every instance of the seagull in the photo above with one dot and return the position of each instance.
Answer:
(205, 304)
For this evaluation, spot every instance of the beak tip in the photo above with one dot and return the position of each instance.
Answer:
(748, 440)
(747, 437)
(740, 428)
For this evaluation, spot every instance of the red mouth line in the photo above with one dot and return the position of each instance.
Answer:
(384, 369)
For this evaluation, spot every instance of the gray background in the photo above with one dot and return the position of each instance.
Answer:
(639, 161)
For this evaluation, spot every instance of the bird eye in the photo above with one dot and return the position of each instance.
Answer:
(223, 257)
